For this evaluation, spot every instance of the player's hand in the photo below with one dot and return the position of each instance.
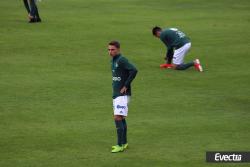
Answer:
(123, 90)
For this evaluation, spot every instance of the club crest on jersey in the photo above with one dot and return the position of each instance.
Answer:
(116, 65)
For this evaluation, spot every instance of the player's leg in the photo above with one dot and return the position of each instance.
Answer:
(125, 141)
(38, 19)
(178, 58)
(120, 111)
(119, 128)
(26, 4)
(33, 11)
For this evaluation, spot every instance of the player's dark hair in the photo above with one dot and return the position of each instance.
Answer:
(155, 30)
(115, 43)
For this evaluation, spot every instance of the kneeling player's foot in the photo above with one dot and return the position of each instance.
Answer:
(125, 146)
(197, 65)
(117, 148)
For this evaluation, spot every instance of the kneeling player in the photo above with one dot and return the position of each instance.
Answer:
(178, 45)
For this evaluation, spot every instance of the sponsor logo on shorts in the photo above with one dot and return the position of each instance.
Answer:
(120, 107)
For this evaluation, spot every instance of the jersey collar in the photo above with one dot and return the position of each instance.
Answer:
(116, 56)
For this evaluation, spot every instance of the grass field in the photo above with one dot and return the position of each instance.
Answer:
(55, 83)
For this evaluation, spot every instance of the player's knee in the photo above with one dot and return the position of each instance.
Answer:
(118, 118)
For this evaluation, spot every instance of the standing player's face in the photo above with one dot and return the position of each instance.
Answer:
(113, 51)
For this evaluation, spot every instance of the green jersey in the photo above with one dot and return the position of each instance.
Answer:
(173, 38)
(123, 73)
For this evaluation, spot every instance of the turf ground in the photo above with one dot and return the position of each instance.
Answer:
(55, 83)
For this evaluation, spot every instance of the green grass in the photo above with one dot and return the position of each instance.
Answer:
(55, 83)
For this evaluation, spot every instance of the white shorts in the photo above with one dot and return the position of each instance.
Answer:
(180, 53)
(120, 105)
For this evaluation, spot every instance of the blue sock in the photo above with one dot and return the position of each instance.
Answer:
(120, 131)
(26, 4)
(184, 66)
(125, 131)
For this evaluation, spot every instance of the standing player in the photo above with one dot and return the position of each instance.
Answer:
(178, 45)
(123, 73)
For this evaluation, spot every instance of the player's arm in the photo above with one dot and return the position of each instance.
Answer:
(170, 49)
(169, 55)
(132, 73)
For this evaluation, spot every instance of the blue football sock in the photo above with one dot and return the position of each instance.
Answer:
(184, 66)
(120, 131)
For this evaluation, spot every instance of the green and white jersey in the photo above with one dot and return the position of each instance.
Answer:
(173, 38)
(123, 73)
